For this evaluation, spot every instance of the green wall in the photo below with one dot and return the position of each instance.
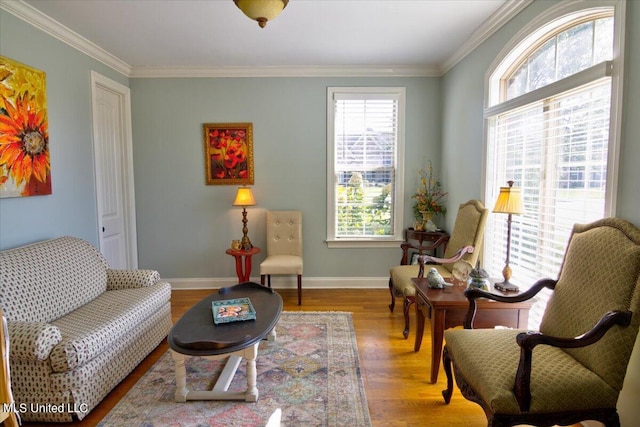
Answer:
(184, 226)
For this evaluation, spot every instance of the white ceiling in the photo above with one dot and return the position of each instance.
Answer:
(423, 36)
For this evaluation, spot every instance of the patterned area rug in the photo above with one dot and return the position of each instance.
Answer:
(311, 371)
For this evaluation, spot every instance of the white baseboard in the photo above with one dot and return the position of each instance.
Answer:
(285, 282)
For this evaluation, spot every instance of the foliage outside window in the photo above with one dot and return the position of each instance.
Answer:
(549, 132)
(364, 140)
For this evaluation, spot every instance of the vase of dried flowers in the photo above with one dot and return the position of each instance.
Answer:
(429, 198)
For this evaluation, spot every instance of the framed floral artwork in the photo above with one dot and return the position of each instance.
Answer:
(25, 168)
(228, 153)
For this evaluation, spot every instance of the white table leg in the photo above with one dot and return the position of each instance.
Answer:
(220, 390)
(181, 377)
(250, 353)
(271, 336)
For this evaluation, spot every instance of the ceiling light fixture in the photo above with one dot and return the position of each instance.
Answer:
(261, 10)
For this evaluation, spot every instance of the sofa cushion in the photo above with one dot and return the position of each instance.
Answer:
(94, 327)
(42, 281)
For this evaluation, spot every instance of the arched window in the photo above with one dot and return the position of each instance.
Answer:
(552, 121)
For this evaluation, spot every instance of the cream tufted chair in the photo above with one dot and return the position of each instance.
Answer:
(284, 247)
(574, 367)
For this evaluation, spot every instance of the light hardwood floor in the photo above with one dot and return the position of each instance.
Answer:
(395, 377)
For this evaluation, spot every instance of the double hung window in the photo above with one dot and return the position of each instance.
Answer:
(365, 128)
(551, 129)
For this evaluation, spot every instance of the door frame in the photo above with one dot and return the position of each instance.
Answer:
(129, 208)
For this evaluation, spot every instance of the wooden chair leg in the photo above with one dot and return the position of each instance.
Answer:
(269, 280)
(393, 295)
(299, 289)
(262, 279)
(406, 308)
(447, 369)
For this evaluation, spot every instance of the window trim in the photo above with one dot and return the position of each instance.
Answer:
(332, 240)
(524, 41)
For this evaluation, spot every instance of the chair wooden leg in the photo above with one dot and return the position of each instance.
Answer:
(393, 295)
(299, 289)
(269, 280)
(406, 305)
(262, 279)
(447, 369)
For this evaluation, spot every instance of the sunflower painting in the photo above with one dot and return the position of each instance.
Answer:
(228, 152)
(25, 169)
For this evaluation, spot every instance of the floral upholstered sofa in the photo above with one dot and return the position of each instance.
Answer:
(76, 327)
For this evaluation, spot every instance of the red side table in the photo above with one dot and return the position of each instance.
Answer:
(243, 276)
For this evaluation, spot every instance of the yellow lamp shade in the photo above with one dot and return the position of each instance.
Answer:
(244, 197)
(509, 200)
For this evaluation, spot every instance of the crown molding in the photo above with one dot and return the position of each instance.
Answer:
(55, 29)
(297, 71)
(503, 15)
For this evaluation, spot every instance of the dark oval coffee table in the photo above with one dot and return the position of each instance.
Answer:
(196, 335)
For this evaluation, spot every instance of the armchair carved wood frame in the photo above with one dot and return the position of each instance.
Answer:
(574, 367)
(468, 231)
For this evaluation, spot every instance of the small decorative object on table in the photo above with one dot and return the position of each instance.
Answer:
(435, 279)
(461, 272)
(232, 310)
(479, 278)
(236, 245)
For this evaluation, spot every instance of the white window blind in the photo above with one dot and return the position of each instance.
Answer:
(553, 129)
(556, 150)
(364, 152)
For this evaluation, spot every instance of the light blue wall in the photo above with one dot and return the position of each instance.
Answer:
(184, 226)
(71, 208)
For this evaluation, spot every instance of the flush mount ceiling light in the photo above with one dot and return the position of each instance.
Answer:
(261, 10)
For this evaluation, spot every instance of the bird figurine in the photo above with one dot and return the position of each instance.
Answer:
(435, 279)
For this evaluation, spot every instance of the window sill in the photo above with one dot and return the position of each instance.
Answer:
(363, 243)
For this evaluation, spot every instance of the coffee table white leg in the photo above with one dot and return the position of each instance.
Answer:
(271, 336)
(181, 377)
(250, 354)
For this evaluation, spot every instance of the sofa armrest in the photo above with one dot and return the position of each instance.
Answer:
(129, 279)
(32, 341)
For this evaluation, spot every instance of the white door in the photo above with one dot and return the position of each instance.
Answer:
(112, 147)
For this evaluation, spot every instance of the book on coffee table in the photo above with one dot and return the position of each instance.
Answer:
(232, 310)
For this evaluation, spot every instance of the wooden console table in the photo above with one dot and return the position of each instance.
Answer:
(447, 308)
(425, 242)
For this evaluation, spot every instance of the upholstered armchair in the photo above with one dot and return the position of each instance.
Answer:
(284, 247)
(574, 367)
(468, 230)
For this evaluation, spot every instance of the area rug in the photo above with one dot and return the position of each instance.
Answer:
(311, 371)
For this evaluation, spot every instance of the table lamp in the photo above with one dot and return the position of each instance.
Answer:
(244, 198)
(509, 202)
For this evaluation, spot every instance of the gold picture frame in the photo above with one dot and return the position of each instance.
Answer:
(228, 153)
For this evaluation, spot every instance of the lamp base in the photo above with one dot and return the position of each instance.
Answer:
(506, 286)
